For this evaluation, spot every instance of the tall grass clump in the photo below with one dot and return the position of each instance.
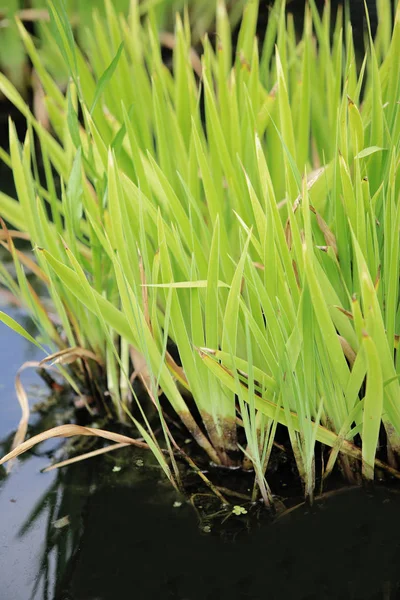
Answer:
(245, 211)
(82, 15)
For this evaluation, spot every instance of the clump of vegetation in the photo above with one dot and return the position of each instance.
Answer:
(248, 212)
(82, 15)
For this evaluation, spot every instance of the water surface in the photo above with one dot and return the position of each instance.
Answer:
(93, 532)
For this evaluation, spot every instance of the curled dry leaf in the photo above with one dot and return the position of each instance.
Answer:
(24, 404)
(329, 237)
(70, 431)
(65, 356)
(69, 355)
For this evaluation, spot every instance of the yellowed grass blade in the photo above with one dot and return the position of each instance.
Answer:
(9, 298)
(65, 431)
(68, 356)
(24, 404)
(330, 238)
(27, 262)
(20, 235)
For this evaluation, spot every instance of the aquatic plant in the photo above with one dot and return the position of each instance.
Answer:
(13, 57)
(244, 210)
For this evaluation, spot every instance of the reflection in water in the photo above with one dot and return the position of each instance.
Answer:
(47, 515)
(346, 549)
(91, 532)
(60, 507)
(96, 532)
(32, 551)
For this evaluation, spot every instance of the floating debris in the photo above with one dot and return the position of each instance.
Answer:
(239, 510)
(62, 522)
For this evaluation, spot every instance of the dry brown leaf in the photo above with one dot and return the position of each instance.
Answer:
(168, 40)
(69, 355)
(20, 235)
(177, 371)
(27, 261)
(24, 404)
(259, 266)
(39, 105)
(9, 298)
(140, 365)
(347, 350)
(329, 237)
(288, 234)
(70, 431)
(377, 278)
(281, 204)
(344, 311)
(33, 14)
(46, 316)
(23, 258)
(296, 274)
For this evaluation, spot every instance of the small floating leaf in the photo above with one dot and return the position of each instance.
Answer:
(239, 510)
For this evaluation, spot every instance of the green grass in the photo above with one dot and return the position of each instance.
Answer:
(262, 237)
(82, 16)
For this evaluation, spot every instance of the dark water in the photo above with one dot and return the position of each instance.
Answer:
(345, 548)
(93, 532)
(21, 491)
